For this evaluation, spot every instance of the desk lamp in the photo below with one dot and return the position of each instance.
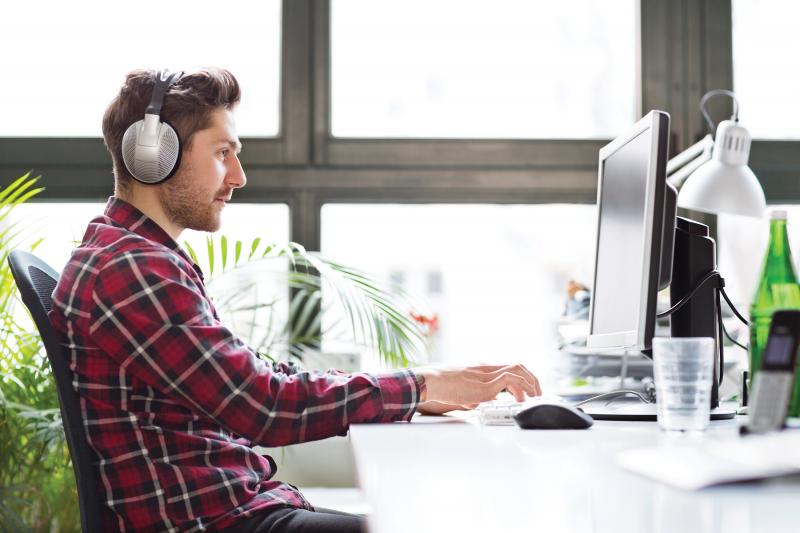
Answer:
(713, 175)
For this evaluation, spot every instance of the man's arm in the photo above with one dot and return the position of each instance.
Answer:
(151, 317)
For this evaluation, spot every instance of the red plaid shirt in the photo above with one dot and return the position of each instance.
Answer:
(172, 400)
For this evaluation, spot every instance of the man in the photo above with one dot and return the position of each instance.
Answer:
(172, 400)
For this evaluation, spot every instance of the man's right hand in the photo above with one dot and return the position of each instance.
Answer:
(475, 384)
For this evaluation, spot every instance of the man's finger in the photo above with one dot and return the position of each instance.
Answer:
(522, 373)
(533, 378)
(506, 379)
(518, 393)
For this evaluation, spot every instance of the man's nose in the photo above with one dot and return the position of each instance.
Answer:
(236, 178)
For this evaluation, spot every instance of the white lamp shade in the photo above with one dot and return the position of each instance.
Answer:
(717, 187)
(725, 184)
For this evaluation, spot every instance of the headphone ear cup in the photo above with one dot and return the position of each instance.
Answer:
(129, 142)
(155, 163)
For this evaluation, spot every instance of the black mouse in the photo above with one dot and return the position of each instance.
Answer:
(553, 416)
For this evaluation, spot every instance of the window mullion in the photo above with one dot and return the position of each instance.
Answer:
(296, 62)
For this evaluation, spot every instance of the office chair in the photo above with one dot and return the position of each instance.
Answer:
(36, 282)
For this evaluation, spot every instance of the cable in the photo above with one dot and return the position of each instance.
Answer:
(728, 301)
(683, 301)
(614, 394)
(720, 329)
(734, 341)
(720, 286)
(720, 290)
(718, 92)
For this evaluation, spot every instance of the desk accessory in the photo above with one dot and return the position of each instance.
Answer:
(772, 386)
(777, 289)
(713, 175)
(555, 415)
(684, 371)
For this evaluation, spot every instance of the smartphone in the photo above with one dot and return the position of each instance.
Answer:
(772, 386)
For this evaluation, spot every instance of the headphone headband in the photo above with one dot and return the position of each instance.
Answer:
(164, 80)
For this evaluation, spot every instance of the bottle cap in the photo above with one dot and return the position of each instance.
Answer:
(778, 214)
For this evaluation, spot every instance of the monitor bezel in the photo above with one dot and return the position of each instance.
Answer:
(640, 338)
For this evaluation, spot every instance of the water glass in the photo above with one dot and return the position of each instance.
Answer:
(684, 370)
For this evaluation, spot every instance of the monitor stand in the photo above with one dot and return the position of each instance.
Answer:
(633, 409)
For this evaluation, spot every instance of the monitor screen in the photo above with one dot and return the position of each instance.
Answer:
(631, 182)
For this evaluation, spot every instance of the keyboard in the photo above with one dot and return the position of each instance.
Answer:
(501, 412)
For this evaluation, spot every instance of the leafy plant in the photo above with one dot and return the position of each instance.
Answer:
(37, 484)
(375, 315)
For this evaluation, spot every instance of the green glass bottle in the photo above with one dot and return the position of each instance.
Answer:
(777, 289)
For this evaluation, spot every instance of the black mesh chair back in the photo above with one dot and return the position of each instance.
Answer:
(36, 282)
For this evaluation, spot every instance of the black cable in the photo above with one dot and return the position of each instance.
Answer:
(734, 341)
(721, 290)
(735, 312)
(683, 301)
(721, 286)
(720, 329)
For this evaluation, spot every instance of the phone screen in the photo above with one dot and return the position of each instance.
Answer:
(778, 353)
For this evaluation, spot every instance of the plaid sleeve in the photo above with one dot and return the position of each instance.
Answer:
(154, 320)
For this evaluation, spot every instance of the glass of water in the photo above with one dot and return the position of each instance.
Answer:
(684, 370)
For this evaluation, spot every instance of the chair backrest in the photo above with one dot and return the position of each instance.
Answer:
(36, 282)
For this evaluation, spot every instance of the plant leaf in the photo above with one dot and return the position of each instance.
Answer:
(210, 251)
(223, 243)
(238, 252)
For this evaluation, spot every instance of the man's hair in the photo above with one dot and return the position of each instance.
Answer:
(188, 106)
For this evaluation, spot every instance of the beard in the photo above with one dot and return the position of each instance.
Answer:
(188, 206)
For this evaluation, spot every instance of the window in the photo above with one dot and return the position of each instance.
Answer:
(766, 67)
(246, 222)
(496, 276)
(59, 225)
(72, 65)
(512, 69)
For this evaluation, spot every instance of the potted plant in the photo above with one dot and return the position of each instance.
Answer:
(37, 484)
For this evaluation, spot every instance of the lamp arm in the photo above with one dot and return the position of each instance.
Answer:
(682, 165)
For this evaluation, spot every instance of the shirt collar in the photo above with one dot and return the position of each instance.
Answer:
(127, 216)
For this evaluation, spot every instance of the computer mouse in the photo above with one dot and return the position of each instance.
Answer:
(553, 416)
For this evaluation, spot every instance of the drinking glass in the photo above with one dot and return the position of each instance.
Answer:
(684, 369)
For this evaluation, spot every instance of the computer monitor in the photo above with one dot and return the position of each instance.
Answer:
(643, 247)
(635, 232)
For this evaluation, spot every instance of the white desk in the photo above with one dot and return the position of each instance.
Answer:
(444, 474)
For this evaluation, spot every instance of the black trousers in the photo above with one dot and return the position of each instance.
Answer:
(291, 520)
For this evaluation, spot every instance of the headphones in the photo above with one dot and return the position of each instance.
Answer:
(151, 148)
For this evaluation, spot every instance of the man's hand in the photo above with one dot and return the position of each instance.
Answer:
(465, 386)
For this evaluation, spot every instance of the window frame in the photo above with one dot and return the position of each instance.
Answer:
(686, 49)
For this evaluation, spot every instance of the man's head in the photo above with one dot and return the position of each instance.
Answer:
(200, 108)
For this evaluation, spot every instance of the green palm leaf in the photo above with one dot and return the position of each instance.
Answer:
(376, 314)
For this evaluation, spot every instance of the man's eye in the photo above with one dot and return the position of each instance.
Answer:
(225, 153)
